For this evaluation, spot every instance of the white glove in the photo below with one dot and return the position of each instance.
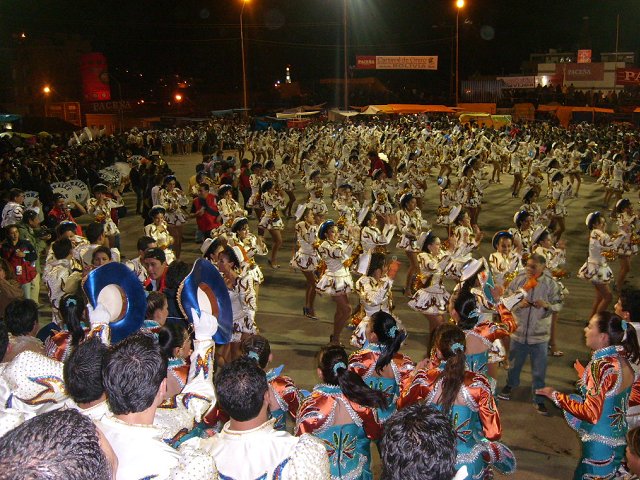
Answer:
(205, 325)
(99, 315)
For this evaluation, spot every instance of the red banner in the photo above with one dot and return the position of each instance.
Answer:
(366, 62)
(581, 72)
(95, 79)
(627, 76)
(406, 62)
(584, 56)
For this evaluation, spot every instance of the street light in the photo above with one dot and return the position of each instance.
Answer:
(244, 68)
(346, 61)
(46, 90)
(459, 5)
(178, 97)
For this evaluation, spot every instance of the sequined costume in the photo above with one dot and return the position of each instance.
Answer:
(252, 246)
(174, 202)
(598, 414)
(628, 227)
(363, 362)
(336, 280)
(286, 395)
(306, 257)
(272, 203)
(475, 419)
(432, 297)
(244, 306)
(372, 239)
(230, 209)
(410, 224)
(596, 269)
(102, 214)
(504, 267)
(463, 243)
(348, 445)
(164, 240)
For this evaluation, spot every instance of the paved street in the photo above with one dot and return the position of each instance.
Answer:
(544, 447)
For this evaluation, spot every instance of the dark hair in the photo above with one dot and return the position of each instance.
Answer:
(557, 176)
(418, 443)
(15, 193)
(619, 334)
(633, 441)
(204, 186)
(465, 304)
(239, 224)
(377, 261)
(99, 188)
(155, 301)
(431, 238)
(64, 227)
(622, 204)
(630, 302)
(528, 197)
(21, 315)
(217, 242)
(156, 253)
(459, 217)
(171, 336)
(390, 337)
(231, 256)
(176, 273)
(366, 218)
(266, 186)
(29, 214)
(4, 339)
(61, 248)
(543, 236)
(522, 217)
(144, 242)
(132, 373)
(72, 312)
(240, 388)
(93, 231)
(101, 249)
(446, 335)
(353, 387)
(258, 345)
(82, 371)
(58, 445)
(595, 218)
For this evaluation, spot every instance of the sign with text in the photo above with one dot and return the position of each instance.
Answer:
(584, 56)
(405, 62)
(627, 76)
(518, 82)
(95, 79)
(581, 72)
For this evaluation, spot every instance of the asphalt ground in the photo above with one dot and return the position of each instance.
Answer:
(545, 447)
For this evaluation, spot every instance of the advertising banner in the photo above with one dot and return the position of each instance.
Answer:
(581, 72)
(404, 62)
(518, 82)
(627, 76)
(95, 79)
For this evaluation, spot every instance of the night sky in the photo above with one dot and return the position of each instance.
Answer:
(200, 39)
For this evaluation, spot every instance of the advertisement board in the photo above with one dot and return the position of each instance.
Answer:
(404, 62)
(627, 76)
(584, 56)
(581, 72)
(518, 82)
(95, 79)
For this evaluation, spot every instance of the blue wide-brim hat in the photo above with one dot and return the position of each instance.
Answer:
(204, 290)
(324, 226)
(119, 289)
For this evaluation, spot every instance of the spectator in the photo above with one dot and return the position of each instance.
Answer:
(10, 289)
(21, 317)
(205, 209)
(30, 231)
(155, 262)
(22, 256)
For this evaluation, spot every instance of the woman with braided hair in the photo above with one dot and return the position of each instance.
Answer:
(342, 412)
(466, 397)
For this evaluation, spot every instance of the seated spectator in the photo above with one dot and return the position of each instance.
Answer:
(10, 289)
(21, 317)
(418, 443)
(59, 445)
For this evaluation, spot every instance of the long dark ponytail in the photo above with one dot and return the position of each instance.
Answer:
(620, 332)
(257, 348)
(390, 337)
(466, 306)
(71, 308)
(332, 362)
(451, 343)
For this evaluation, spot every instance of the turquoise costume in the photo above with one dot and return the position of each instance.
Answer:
(598, 415)
(363, 362)
(476, 422)
(348, 445)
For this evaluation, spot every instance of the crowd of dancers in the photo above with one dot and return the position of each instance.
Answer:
(364, 194)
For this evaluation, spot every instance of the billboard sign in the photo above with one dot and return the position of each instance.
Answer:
(584, 56)
(518, 82)
(628, 76)
(95, 79)
(581, 72)
(404, 62)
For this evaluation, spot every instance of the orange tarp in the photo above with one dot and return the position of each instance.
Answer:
(478, 107)
(547, 108)
(409, 108)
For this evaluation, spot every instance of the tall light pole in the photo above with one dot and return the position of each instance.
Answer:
(459, 5)
(244, 67)
(346, 61)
